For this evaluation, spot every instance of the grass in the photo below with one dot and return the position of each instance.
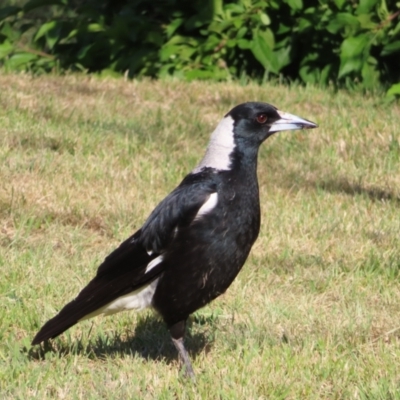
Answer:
(313, 315)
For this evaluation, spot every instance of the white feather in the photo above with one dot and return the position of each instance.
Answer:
(138, 299)
(220, 148)
(153, 263)
(207, 206)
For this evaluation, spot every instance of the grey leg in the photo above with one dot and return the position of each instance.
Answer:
(177, 333)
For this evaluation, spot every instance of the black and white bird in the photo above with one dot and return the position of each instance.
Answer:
(196, 240)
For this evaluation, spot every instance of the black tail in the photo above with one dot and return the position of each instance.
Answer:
(91, 298)
(94, 296)
(122, 272)
(66, 318)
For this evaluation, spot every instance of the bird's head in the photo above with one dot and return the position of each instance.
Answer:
(254, 122)
(242, 131)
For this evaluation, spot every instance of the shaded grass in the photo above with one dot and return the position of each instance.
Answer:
(314, 314)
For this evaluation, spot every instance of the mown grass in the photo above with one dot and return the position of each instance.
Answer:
(313, 315)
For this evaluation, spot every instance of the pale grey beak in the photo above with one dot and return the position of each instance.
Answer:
(289, 122)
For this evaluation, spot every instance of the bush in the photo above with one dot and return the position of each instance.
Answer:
(339, 42)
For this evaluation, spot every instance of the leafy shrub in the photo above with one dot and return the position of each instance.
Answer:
(343, 42)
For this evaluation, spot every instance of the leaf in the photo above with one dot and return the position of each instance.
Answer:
(168, 51)
(10, 32)
(231, 43)
(19, 60)
(325, 73)
(212, 42)
(95, 28)
(173, 26)
(394, 90)
(241, 32)
(244, 44)
(391, 48)
(370, 74)
(268, 36)
(219, 26)
(295, 4)
(235, 8)
(349, 65)
(72, 34)
(352, 54)
(339, 3)
(217, 7)
(366, 6)
(166, 70)
(354, 46)
(185, 52)
(383, 10)
(180, 39)
(344, 20)
(109, 73)
(304, 24)
(265, 19)
(308, 74)
(264, 54)
(52, 31)
(283, 56)
(81, 54)
(237, 22)
(46, 27)
(366, 22)
(6, 48)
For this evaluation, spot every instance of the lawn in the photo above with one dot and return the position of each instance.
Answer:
(315, 312)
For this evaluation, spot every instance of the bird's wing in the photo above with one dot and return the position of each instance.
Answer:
(178, 209)
(128, 268)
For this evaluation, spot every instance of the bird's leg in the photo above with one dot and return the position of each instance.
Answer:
(177, 332)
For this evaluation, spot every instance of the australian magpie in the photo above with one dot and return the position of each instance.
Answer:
(196, 240)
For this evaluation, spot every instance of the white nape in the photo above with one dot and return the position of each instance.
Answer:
(207, 206)
(137, 300)
(220, 148)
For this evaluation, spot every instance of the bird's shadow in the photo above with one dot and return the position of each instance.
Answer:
(344, 185)
(150, 340)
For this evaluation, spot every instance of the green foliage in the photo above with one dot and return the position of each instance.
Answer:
(339, 42)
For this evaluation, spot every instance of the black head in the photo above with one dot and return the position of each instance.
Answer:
(254, 122)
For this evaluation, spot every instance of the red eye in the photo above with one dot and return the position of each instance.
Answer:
(262, 118)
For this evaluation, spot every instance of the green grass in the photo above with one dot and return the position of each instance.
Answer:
(315, 313)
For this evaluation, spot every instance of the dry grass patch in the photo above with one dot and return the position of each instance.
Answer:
(313, 315)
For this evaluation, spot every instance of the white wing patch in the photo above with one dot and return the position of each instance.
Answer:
(153, 263)
(220, 148)
(138, 299)
(207, 206)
